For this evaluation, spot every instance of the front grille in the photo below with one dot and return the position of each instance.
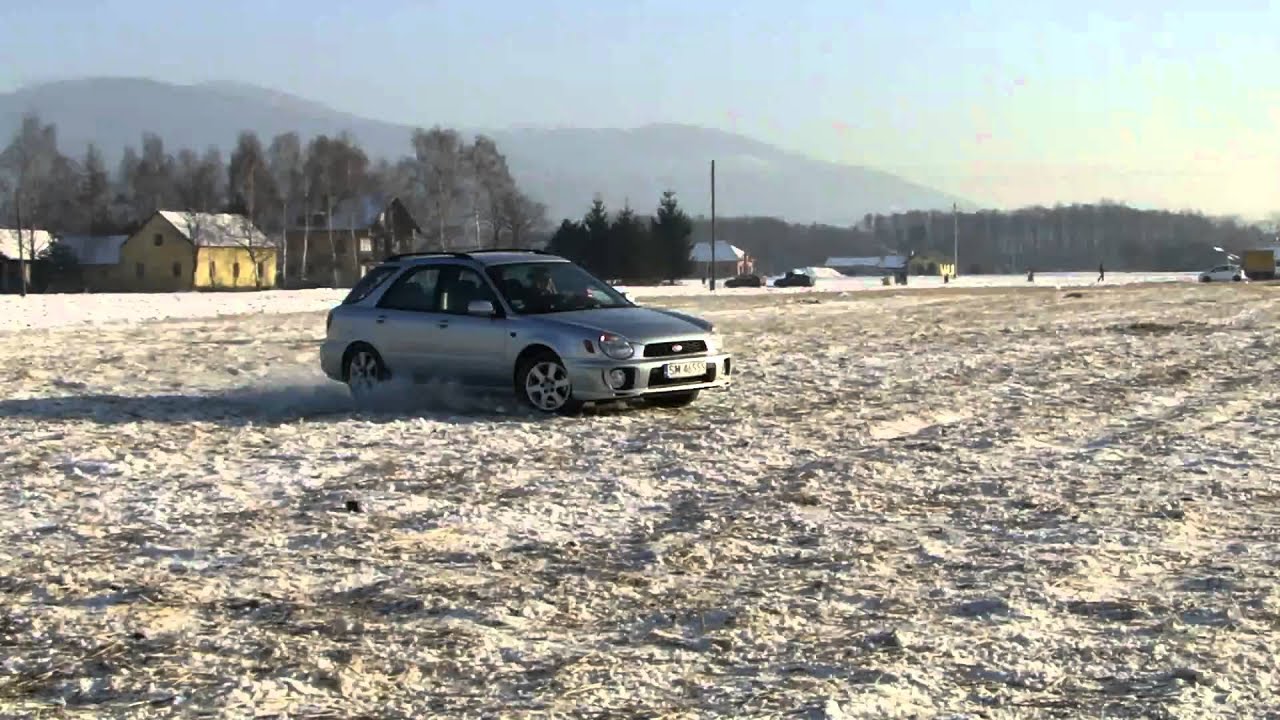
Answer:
(668, 349)
(658, 379)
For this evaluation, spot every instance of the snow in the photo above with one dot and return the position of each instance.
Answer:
(975, 502)
(725, 252)
(40, 239)
(62, 310)
(216, 229)
(879, 261)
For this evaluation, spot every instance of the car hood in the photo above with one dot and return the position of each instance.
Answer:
(634, 323)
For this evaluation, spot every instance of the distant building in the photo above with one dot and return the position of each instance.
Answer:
(729, 260)
(97, 257)
(12, 269)
(176, 251)
(324, 251)
(876, 265)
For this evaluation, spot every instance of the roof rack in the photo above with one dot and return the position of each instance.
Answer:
(462, 255)
(406, 256)
(507, 250)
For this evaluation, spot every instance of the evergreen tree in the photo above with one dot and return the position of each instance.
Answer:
(672, 233)
(570, 241)
(600, 253)
(632, 259)
(94, 195)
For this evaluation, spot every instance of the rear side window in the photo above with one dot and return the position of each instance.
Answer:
(370, 282)
(415, 291)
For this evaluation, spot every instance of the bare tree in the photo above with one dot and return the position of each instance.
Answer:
(30, 164)
(319, 178)
(255, 243)
(306, 224)
(152, 178)
(519, 217)
(284, 159)
(198, 185)
(198, 226)
(490, 184)
(438, 172)
(254, 187)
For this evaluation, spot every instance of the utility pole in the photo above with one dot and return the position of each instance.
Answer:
(713, 225)
(955, 239)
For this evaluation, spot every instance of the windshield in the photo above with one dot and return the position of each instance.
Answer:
(537, 288)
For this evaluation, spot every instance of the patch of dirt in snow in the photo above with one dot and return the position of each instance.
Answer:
(976, 503)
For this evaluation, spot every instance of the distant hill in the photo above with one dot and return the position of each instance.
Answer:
(562, 167)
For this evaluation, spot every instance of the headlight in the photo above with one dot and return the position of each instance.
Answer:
(615, 346)
(715, 343)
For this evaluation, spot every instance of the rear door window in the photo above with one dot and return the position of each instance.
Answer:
(415, 291)
(370, 282)
(459, 286)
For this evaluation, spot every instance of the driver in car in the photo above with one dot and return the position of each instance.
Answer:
(541, 282)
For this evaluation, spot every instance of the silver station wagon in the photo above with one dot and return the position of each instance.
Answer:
(522, 320)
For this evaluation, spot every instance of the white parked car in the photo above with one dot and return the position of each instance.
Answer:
(1223, 273)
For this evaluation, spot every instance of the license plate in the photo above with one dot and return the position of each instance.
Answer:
(686, 369)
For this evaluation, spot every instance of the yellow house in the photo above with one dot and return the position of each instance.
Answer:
(175, 251)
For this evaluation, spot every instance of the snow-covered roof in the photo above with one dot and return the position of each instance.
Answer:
(881, 261)
(216, 230)
(358, 213)
(94, 249)
(9, 243)
(724, 252)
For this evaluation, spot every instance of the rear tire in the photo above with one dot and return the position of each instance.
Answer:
(364, 371)
(542, 383)
(674, 400)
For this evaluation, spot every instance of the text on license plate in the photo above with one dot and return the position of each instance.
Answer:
(686, 369)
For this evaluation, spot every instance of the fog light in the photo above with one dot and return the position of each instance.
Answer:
(617, 378)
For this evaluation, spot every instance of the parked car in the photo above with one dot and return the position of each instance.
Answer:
(521, 320)
(748, 280)
(1223, 273)
(794, 278)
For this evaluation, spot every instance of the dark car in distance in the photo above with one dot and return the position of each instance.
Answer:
(747, 280)
(794, 278)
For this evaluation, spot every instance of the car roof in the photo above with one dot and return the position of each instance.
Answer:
(487, 258)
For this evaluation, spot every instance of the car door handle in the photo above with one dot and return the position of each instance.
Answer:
(381, 319)
(443, 324)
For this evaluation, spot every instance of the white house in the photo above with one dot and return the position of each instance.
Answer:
(879, 265)
(730, 260)
(12, 269)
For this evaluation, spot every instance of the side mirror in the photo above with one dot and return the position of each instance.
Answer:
(626, 296)
(482, 308)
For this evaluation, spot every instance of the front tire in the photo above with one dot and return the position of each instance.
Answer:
(674, 400)
(542, 382)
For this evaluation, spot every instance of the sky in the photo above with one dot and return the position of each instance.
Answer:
(1171, 104)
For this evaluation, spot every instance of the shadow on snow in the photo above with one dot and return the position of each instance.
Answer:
(275, 405)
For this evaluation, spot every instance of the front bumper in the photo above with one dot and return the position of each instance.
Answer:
(645, 376)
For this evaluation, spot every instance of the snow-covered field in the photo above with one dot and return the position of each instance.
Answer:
(976, 502)
(49, 311)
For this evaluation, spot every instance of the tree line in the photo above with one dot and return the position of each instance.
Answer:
(1066, 237)
(628, 247)
(461, 193)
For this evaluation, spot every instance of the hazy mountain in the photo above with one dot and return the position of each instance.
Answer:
(562, 167)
